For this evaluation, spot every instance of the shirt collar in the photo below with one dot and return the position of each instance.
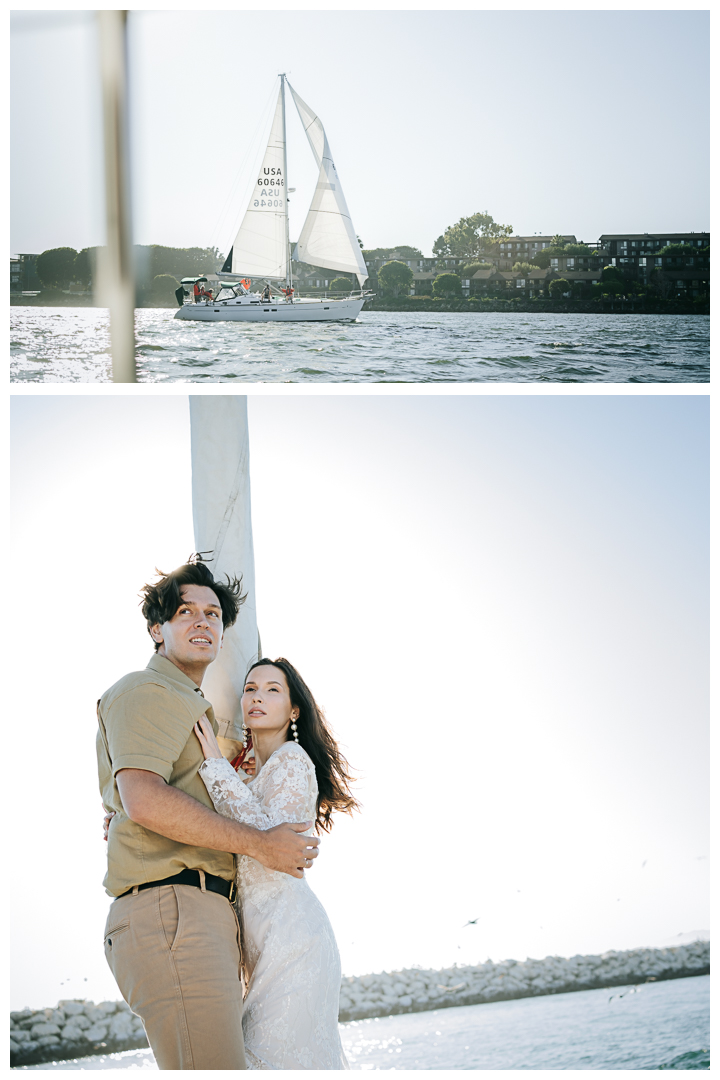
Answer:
(165, 667)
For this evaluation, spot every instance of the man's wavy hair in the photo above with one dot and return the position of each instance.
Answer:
(161, 600)
(318, 742)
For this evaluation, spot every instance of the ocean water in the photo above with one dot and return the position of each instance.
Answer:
(664, 1025)
(51, 345)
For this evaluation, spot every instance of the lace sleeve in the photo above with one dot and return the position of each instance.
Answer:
(287, 791)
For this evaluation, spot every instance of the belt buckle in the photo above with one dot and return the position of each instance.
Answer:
(233, 891)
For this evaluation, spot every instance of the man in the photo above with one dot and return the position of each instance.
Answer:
(172, 937)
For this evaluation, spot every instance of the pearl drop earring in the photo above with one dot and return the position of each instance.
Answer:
(293, 725)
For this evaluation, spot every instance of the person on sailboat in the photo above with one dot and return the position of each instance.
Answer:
(266, 293)
(289, 291)
(172, 936)
(290, 957)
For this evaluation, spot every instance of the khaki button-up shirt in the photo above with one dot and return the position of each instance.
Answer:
(146, 722)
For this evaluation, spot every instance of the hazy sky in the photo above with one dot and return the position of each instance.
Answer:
(501, 602)
(577, 122)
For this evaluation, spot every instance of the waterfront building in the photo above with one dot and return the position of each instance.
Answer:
(521, 249)
(422, 282)
(23, 275)
(643, 257)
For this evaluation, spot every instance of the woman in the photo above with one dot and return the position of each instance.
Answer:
(291, 960)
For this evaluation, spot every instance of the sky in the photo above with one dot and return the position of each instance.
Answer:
(499, 600)
(578, 122)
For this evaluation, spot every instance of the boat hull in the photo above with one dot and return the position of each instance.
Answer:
(299, 311)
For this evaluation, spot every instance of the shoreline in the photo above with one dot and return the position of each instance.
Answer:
(426, 305)
(76, 1029)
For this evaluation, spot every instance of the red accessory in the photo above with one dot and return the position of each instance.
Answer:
(238, 761)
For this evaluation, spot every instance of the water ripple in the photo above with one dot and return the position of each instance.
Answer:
(72, 345)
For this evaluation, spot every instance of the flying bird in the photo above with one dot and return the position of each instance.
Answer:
(632, 990)
(472, 922)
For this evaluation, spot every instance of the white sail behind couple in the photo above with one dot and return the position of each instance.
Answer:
(327, 238)
(222, 524)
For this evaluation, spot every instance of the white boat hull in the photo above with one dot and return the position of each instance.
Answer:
(245, 310)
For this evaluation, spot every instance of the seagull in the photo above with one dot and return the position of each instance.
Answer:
(472, 922)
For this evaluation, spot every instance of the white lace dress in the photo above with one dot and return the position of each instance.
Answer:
(290, 1019)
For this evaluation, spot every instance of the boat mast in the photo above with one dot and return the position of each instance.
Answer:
(288, 274)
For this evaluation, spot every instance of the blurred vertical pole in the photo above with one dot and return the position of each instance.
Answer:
(116, 276)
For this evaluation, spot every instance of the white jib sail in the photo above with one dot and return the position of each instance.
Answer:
(222, 525)
(328, 237)
(260, 248)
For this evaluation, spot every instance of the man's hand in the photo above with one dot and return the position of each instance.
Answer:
(150, 802)
(283, 849)
(247, 766)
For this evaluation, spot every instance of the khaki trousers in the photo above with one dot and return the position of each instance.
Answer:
(175, 953)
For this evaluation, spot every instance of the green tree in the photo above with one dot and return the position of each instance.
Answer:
(85, 266)
(558, 241)
(447, 285)
(470, 268)
(341, 284)
(154, 259)
(558, 287)
(56, 267)
(403, 251)
(524, 268)
(470, 237)
(608, 288)
(161, 291)
(611, 273)
(682, 249)
(395, 277)
(542, 258)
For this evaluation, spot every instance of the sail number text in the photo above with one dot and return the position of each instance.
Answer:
(271, 179)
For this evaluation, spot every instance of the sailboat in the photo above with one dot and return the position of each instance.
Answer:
(262, 246)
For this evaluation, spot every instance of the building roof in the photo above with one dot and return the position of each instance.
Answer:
(653, 236)
(483, 275)
(569, 239)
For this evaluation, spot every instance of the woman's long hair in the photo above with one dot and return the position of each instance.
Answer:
(315, 737)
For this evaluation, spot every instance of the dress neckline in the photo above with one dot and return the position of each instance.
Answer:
(288, 742)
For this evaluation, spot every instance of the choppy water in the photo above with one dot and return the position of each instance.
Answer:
(72, 345)
(663, 1025)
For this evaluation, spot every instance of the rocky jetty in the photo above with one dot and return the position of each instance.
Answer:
(73, 1029)
(416, 990)
(76, 1029)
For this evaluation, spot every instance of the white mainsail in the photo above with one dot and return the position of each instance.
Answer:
(261, 247)
(328, 237)
(222, 525)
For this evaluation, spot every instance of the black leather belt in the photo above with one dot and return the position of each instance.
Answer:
(192, 877)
